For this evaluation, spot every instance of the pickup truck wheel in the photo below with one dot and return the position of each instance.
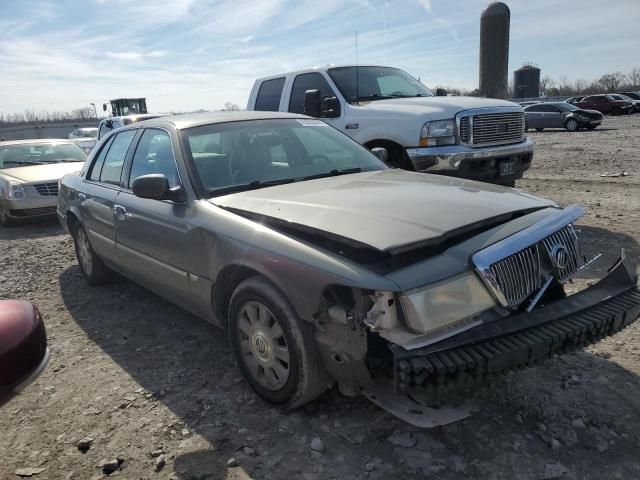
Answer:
(5, 219)
(571, 125)
(275, 351)
(93, 269)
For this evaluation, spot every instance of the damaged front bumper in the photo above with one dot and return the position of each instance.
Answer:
(521, 340)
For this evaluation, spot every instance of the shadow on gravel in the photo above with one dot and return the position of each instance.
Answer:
(565, 131)
(596, 240)
(44, 227)
(189, 367)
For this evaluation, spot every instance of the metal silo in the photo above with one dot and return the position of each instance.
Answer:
(526, 81)
(494, 50)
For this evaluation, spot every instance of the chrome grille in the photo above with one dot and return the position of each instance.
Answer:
(491, 128)
(47, 189)
(518, 275)
(568, 239)
(464, 130)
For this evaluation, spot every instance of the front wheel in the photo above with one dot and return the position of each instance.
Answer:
(571, 125)
(275, 351)
(93, 269)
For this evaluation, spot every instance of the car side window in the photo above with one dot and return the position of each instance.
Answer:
(304, 82)
(103, 130)
(96, 167)
(154, 154)
(269, 93)
(534, 108)
(114, 160)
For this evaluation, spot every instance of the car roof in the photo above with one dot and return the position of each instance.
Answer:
(319, 68)
(188, 120)
(36, 141)
(141, 116)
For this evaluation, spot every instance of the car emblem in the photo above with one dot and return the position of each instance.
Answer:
(559, 256)
(503, 128)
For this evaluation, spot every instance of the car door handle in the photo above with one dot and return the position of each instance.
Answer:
(82, 197)
(120, 211)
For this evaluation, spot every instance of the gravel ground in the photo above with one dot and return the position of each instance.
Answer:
(157, 392)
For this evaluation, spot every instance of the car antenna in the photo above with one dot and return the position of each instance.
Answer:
(357, 80)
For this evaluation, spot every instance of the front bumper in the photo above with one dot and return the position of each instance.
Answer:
(30, 206)
(480, 163)
(525, 338)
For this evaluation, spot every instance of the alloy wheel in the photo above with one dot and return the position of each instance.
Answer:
(263, 345)
(572, 125)
(84, 252)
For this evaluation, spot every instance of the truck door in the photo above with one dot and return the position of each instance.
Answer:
(314, 81)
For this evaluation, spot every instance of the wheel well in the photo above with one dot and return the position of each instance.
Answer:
(226, 282)
(396, 151)
(72, 222)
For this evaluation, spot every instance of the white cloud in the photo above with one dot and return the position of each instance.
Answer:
(135, 56)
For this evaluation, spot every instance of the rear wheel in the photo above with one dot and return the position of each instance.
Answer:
(93, 269)
(539, 129)
(571, 125)
(5, 219)
(397, 157)
(275, 351)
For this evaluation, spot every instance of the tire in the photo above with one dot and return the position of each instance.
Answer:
(615, 111)
(93, 269)
(261, 323)
(572, 125)
(5, 219)
(539, 129)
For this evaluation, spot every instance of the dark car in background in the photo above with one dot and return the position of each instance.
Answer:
(560, 115)
(633, 95)
(634, 103)
(605, 104)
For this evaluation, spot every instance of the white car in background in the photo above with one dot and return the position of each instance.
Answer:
(85, 137)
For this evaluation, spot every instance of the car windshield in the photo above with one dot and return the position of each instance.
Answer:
(376, 83)
(246, 155)
(25, 154)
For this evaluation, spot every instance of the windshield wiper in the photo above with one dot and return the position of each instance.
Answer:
(373, 96)
(23, 163)
(333, 173)
(242, 187)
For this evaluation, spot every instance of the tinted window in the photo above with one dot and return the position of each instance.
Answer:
(96, 167)
(154, 155)
(103, 130)
(534, 108)
(304, 82)
(550, 108)
(269, 94)
(114, 161)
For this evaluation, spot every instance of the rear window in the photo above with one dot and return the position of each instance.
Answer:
(268, 99)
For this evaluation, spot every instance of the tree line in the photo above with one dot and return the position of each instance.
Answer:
(32, 116)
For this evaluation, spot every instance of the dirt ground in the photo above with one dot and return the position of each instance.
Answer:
(143, 378)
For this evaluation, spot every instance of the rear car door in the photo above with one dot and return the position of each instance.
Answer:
(99, 191)
(152, 236)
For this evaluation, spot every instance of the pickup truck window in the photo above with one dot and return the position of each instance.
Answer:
(376, 83)
(268, 99)
(304, 82)
(114, 160)
(154, 155)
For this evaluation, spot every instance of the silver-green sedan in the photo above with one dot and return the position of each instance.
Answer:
(29, 175)
(327, 267)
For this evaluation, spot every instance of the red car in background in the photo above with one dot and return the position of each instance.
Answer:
(605, 104)
(23, 346)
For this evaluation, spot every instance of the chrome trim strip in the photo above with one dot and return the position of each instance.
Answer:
(484, 259)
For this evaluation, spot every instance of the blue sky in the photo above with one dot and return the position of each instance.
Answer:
(190, 54)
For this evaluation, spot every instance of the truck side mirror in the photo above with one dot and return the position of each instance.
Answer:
(312, 102)
(330, 107)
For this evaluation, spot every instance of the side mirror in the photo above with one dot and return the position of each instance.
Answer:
(312, 102)
(104, 107)
(381, 153)
(109, 123)
(318, 107)
(156, 187)
(441, 92)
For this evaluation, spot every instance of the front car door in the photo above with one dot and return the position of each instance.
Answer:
(152, 236)
(99, 191)
(554, 117)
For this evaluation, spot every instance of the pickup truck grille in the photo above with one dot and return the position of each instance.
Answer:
(47, 189)
(518, 276)
(491, 128)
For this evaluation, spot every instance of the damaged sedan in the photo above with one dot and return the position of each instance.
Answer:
(326, 267)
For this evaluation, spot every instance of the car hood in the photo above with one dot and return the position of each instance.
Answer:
(39, 173)
(437, 107)
(385, 210)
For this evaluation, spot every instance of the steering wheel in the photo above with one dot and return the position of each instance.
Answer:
(322, 158)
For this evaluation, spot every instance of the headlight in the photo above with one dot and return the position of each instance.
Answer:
(440, 132)
(16, 191)
(451, 304)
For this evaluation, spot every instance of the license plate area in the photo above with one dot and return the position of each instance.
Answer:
(507, 167)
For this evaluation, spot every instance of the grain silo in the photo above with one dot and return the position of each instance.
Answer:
(494, 50)
(526, 81)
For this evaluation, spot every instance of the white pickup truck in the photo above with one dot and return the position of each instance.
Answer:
(476, 138)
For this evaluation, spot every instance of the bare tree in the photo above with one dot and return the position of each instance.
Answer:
(546, 83)
(633, 78)
(611, 81)
(230, 107)
(579, 85)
